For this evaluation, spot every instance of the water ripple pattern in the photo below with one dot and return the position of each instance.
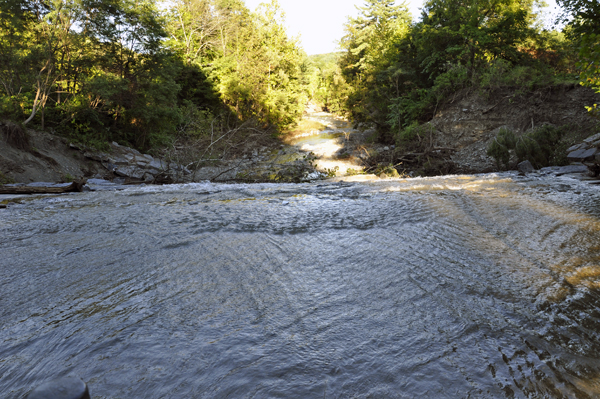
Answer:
(453, 287)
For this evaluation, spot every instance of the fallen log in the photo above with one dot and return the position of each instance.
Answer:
(76, 186)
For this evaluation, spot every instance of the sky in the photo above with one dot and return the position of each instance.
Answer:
(320, 23)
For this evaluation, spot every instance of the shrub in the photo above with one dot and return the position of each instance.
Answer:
(5, 179)
(542, 147)
(500, 148)
(412, 137)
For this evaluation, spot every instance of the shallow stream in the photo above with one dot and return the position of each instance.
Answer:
(449, 287)
(330, 144)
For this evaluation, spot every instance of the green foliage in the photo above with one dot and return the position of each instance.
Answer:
(254, 66)
(196, 122)
(120, 70)
(5, 179)
(541, 146)
(386, 169)
(507, 138)
(585, 29)
(369, 65)
(400, 73)
(499, 149)
(500, 153)
(325, 82)
(421, 103)
(414, 138)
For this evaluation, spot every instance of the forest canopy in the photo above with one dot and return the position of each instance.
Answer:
(141, 72)
(129, 71)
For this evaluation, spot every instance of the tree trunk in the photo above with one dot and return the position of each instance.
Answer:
(76, 186)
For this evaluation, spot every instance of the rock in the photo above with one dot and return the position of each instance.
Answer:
(525, 167)
(100, 182)
(110, 166)
(593, 138)
(569, 169)
(130, 171)
(96, 156)
(119, 160)
(157, 164)
(576, 147)
(149, 177)
(582, 155)
(63, 388)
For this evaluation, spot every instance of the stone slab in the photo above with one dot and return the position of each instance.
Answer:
(593, 138)
(582, 155)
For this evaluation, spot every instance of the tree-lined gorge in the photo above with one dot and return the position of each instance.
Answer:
(143, 72)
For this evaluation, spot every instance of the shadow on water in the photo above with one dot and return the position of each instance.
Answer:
(459, 286)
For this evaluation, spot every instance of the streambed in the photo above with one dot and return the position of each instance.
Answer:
(459, 286)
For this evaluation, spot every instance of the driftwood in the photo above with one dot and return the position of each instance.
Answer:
(76, 186)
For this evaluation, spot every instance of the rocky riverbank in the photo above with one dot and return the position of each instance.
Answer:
(37, 156)
(457, 140)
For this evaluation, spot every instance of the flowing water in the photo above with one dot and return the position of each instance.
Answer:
(328, 144)
(451, 287)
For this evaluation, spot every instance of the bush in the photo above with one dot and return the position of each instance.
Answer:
(542, 147)
(500, 148)
(5, 179)
(412, 138)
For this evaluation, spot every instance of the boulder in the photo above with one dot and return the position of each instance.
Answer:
(525, 167)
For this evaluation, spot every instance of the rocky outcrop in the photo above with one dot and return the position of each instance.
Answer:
(588, 153)
(132, 165)
(471, 120)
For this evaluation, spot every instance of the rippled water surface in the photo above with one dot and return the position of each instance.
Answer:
(454, 287)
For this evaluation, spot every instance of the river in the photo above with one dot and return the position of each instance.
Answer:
(447, 287)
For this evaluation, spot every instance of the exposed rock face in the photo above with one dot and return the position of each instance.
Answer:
(129, 163)
(472, 120)
(46, 158)
(588, 153)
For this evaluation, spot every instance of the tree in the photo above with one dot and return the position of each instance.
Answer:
(471, 32)
(368, 64)
(585, 22)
